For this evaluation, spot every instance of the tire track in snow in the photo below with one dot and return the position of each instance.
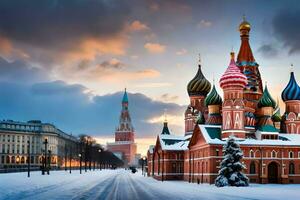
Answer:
(96, 190)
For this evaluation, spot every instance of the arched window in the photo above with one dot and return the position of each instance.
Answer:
(273, 154)
(252, 154)
(22, 159)
(13, 159)
(252, 168)
(7, 160)
(291, 168)
(291, 154)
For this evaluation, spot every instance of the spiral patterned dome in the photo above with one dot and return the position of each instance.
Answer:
(213, 98)
(233, 76)
(292, 90)
(266, 100)
(199, 85)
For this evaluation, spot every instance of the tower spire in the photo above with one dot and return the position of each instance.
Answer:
(165, 130)
(247, 64)
(199, 59)
(125, 97)
(165, 116)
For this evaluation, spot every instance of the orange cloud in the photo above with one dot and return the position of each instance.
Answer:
(10, 52)
(5, 47)
(155, 47)
(138, 26)
(89, 48)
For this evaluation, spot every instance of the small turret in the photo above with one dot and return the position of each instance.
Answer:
(214, 103)
(291, 98)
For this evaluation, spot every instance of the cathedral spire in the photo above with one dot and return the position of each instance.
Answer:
(245, 53)
(248, 66)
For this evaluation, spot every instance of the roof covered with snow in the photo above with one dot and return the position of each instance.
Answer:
(174, 142)
(212, 134)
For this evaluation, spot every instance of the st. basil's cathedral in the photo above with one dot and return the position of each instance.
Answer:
(270, 142)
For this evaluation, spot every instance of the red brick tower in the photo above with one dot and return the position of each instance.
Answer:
(248, 66)
(125, 131)
(233, 83)
(124, 145)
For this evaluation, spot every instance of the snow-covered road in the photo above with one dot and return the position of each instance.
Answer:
(121, 184)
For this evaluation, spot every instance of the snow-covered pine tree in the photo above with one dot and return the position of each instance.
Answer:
(230, 173)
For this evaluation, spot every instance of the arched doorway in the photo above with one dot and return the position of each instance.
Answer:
(273, 172)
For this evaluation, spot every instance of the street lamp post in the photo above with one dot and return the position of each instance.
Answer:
(49, 162)
(80, 160)
(28, 158)
(45, 157)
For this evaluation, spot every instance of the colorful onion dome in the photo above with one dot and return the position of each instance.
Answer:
(199, 85)
(266, 100)
(233, 76)
(213, 98)
(292, 90)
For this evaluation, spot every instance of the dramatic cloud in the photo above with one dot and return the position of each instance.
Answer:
(268, 50)
(286, 29)
(70, 108)
(50, 28)
(19, 71)
(112, 70)
(155, 47)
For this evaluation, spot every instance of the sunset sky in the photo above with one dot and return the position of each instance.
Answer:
(68, 62)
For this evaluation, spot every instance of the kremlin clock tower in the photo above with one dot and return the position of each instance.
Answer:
(124, 146)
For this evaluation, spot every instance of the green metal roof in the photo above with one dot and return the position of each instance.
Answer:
(267, 128)
(214, 132)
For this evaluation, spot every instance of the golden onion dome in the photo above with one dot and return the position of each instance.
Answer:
(245, 25)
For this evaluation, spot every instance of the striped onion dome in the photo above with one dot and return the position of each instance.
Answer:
(199, 85)
(233, 76)
(266, 100)
(292, 90)
(213, 98)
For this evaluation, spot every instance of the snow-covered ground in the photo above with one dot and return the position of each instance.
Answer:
(121, 184)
